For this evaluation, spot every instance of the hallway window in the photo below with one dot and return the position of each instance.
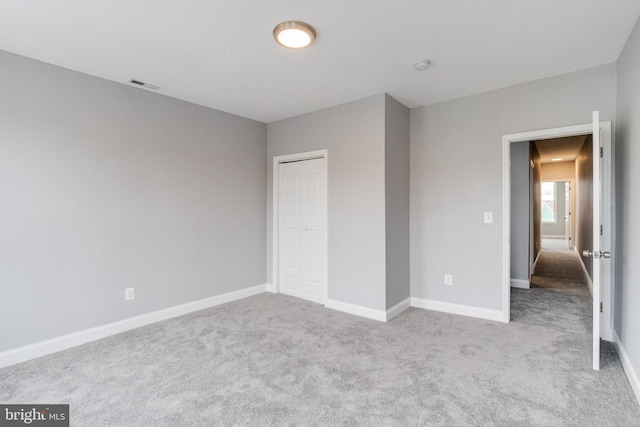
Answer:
(548, 201)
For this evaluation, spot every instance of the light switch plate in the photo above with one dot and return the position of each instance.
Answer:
(488, 217)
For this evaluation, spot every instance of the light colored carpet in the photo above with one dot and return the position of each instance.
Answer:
(560, 244)
(560, 270)
(277, 360)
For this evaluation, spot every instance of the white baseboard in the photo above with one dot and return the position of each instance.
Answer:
(520, 284)
(632, 375)
(554, 236)
(270, 287)
(53, 345)
(397, 309)
(358, 310)
(464, 310)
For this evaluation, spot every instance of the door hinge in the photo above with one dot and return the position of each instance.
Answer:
(600, 307)
(601, 152)
(601, 229)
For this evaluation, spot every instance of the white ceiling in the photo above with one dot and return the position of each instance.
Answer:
(221, 54)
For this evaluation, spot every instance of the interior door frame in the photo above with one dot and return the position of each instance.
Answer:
(608, 214)
(277, 160)
(570, 206)
(568, 212)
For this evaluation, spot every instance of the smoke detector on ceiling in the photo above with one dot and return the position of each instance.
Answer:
(422, 65)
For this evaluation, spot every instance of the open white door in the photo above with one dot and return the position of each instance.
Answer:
(601, 221)
(597, 209)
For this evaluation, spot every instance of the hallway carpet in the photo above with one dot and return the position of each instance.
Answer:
(561, 270)
(276, 360)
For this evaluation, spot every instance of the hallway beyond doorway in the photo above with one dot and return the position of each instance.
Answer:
(555, 244)
(560, 270)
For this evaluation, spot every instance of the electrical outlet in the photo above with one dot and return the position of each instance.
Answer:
(129, 294)
(448, 279)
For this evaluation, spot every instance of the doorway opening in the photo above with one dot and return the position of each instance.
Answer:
(563, 227)
(599, 186)
(557, 212)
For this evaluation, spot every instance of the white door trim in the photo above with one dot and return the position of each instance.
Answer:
(277, 160)
(507, 140)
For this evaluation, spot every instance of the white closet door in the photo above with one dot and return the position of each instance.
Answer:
(302, 228)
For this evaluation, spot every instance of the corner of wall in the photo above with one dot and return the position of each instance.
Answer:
(397, 202)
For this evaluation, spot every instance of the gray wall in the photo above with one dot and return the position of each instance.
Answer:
(584, 202)
(105, 186)
(520, 209)
(557, 228)
(354, 135)
(397, 200)
(456, 175)
(627, 315)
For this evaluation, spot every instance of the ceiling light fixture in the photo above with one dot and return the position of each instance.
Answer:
(422, 65)
(294, 34)
(557, 159)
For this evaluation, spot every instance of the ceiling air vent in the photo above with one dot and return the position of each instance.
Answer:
(143, 84)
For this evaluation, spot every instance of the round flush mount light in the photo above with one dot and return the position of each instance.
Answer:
(422, 65)
(294, 34)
